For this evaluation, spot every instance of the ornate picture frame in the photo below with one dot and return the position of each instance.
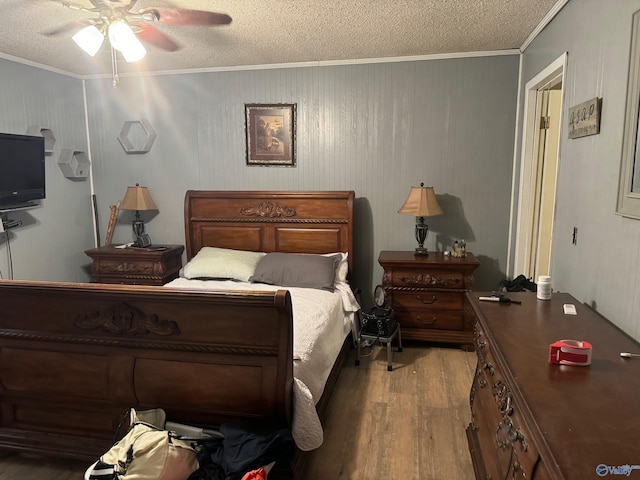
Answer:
(270, 131)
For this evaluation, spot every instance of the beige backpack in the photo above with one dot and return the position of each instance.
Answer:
(146, 452)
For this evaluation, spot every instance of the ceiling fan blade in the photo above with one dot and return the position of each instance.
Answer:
(67, 27)
(183, 16)
(152, 35)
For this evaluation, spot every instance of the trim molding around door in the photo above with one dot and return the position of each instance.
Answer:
(527, 163)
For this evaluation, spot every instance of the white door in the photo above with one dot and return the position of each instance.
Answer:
(545, 180)
(538, 172)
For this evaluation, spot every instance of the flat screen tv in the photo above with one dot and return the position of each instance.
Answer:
(22, 170)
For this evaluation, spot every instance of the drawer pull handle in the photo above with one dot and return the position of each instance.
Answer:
(427, 322)
(427, 302)
(518, 436)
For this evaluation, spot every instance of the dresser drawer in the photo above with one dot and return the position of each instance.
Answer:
(422, 279)
(511, 432)
(485, 421)
(430, 319)
(525, 452)
(427, 300)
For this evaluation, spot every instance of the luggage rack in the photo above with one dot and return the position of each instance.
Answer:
(386, 339)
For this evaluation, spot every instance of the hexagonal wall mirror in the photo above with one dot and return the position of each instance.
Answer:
(137, 136)
(73, 163)
(47, 133)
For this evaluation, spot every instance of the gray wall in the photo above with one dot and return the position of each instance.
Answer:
(603, 269)
(376, 129)
(50, 243)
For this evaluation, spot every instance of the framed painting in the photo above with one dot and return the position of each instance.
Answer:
(271, 134)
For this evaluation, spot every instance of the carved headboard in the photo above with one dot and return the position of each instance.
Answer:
(270, 221)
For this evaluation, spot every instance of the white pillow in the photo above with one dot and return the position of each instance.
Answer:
(342, 267)
(214, 262)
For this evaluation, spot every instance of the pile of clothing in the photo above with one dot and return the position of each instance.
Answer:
(243, 453)
(154, 449)
(518, 284)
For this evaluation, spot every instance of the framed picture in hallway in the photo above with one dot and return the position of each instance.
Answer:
(270, 131)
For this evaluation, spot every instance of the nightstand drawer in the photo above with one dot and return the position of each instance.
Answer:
(422, 279)
(428, 319)
(141, 267)
(427, 299)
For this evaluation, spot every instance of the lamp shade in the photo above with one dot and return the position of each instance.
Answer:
(125, 41)
(89, 39)
(421, 202)
(137, 198)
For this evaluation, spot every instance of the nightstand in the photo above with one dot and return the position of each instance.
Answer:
(135, 266)
(427, 293)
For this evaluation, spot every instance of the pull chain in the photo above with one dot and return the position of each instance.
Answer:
(114, 68)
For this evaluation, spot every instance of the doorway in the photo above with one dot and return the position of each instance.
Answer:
(538, 171)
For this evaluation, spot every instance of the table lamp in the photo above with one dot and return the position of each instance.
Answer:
(138, 198)
(421, 203)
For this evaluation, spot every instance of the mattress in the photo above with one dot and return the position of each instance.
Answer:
(322, 320)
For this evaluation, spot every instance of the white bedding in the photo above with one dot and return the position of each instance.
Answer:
(322, 320)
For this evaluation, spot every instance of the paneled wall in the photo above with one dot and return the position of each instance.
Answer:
(376, 129)
(50, 243)
(603, 268)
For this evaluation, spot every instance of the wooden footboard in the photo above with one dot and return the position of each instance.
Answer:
(74, 357)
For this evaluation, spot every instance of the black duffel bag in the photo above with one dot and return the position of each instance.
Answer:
(378, 321)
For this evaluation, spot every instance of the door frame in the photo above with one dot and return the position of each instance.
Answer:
(529, 164)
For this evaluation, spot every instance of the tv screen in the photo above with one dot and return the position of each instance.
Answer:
(22, 177)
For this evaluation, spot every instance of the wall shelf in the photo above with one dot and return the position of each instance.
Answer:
(73, 163)
(47, 133)
(142, 134)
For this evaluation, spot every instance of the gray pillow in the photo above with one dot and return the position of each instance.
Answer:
(297, 270)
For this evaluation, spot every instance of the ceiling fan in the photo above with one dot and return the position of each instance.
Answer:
(118, 21)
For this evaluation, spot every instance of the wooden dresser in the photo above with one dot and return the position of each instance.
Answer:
(534, 420)
(427, 293)
(136, 266)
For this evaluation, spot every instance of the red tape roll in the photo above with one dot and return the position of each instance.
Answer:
(570, 352)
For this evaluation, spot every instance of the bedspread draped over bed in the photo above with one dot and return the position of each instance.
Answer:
(322, 320)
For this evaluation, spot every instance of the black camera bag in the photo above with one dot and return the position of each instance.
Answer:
(378, 321)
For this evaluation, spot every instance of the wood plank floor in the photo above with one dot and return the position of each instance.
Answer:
(408, 424)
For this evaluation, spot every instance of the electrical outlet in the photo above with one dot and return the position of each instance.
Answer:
(574, 236)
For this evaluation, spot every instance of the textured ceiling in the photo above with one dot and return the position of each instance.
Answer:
(265, 32)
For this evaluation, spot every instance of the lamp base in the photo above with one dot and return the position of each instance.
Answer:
(422, 229)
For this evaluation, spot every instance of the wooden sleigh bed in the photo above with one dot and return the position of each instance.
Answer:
(74, 357)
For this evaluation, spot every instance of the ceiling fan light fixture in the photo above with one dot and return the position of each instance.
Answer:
(89, 39)
(125, 41)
